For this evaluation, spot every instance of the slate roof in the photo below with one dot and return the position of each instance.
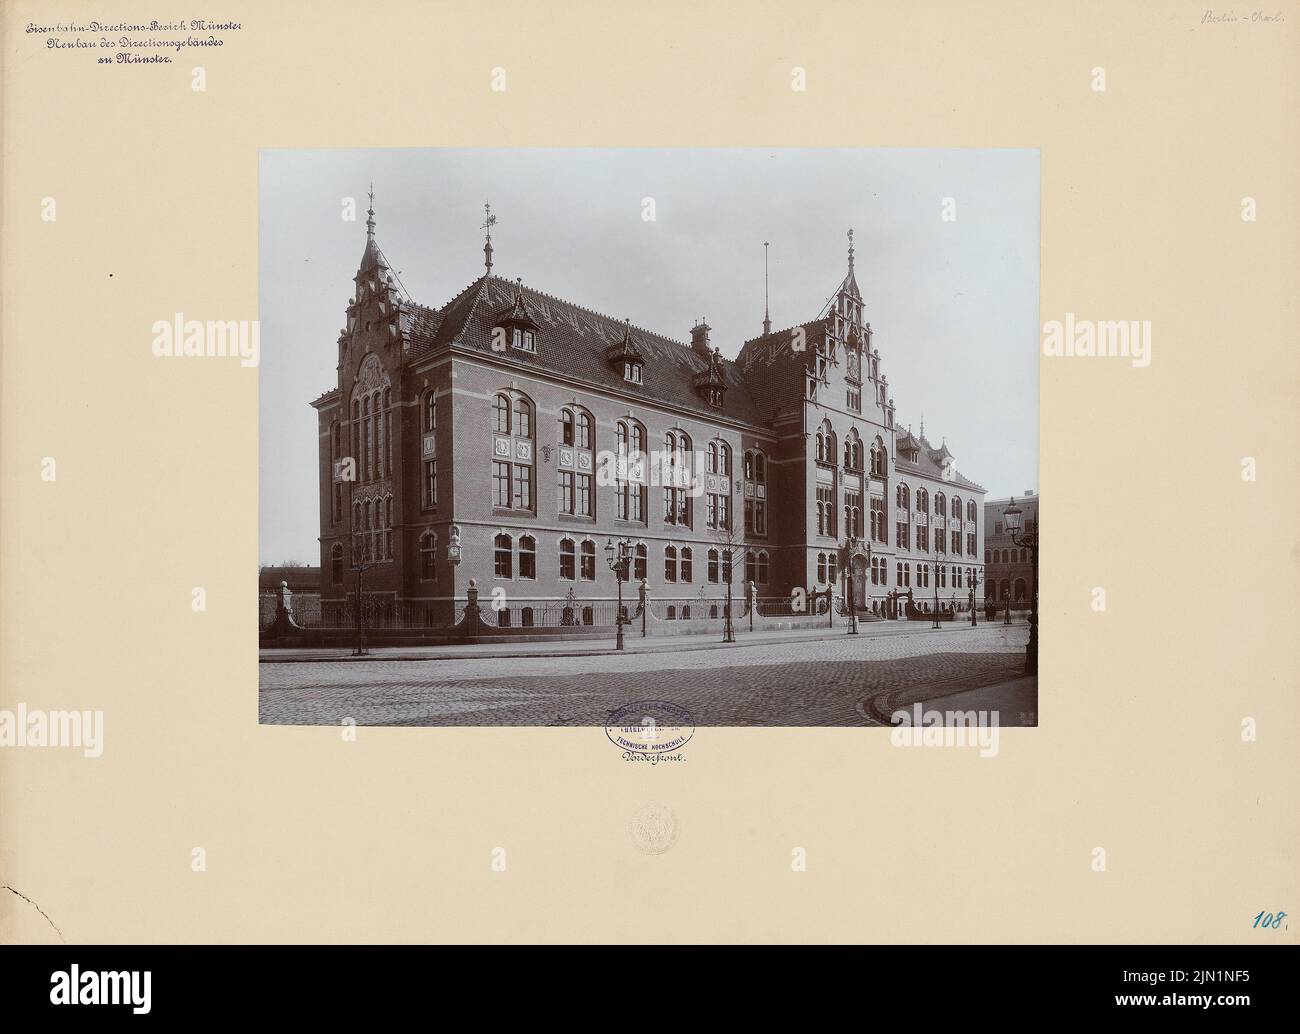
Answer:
(926, 464)
(572, 342)
(774, 371)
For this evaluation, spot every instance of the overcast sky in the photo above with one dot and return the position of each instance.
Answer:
(954, 305)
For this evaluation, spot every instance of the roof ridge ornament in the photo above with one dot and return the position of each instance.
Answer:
(489, 221)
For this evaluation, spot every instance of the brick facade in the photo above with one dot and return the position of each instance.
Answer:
(801, 422)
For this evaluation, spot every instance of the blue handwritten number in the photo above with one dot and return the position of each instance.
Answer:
(1270, 921)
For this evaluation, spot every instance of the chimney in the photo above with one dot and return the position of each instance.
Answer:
(1029, 491)
(700, 340)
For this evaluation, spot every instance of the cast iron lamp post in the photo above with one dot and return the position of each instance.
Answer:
(934, 578)
(974, 583)
(1027, 538)
(619, 558)
(851, 544)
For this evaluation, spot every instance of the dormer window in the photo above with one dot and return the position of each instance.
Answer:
(626, 356)
(715, 397)
(516, 327)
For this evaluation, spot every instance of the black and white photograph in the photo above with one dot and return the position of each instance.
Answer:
(724, 437)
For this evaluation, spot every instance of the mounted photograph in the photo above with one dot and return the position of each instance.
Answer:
(649, 439)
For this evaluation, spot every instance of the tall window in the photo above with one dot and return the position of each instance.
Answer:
(512, 452)
(825, 443)
(901, 497)
(923, 538)
(922, 500)
(713, 560)
(852, 451)
(502, 556)
(686, 569)
(428, 556)
(527, 557)
(639, 561)
(630, 472)
(670, 563)
(588, 561)
(878, 519)
(956, 506)
(956, 543)
(430, 412)
(853, 514)
(568, 560)
(902, 535)
(821, 568)
(430, 489)
(675, 476)
(755, 493)
(879, 459)
(336, 565)
(970, 510)
(826, 510)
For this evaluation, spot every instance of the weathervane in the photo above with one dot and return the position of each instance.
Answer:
(850, 247)
(489, 221)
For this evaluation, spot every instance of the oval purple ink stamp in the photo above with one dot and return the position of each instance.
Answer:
(649, 727)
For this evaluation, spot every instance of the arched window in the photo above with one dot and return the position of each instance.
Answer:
(713, 458)
(588, 561)
(568, 560)
(821, 568)
(584, 440)
(630, 490)
(724, 459)
(336, 565)
(512, 457)
(879, 459)
(430, 411)
(670, 563)
(566, 427)
(726, 566)
(988, 556)
(760, 468)
(762, 567)
(639, 561)
(970, 510)
(713, 565)
(940, 505)
(686, 574)
(527, 558)
(749, 466)
(751, 566)
(851, 447)
(956, 506)
(923, 500)
(502, 556)
(523, 418)
(428, 556)
(676, 478)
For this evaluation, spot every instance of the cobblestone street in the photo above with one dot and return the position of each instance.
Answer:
(842, 681)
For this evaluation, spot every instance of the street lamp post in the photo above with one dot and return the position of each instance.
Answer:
(1026, 538)
(974, 583)
(851, 545)
(619, 558)
(934, 577)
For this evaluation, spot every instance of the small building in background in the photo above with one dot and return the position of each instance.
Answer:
(1008, 571)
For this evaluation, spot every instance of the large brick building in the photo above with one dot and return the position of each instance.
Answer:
(507, 435)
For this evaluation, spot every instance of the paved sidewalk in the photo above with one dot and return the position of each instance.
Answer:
(633, 643)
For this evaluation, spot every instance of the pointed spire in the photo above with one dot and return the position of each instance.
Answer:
(767, 318)
(850, 249)
(489, 221)
(370, 215)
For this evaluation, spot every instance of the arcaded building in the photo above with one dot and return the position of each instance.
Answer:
(506, 436)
